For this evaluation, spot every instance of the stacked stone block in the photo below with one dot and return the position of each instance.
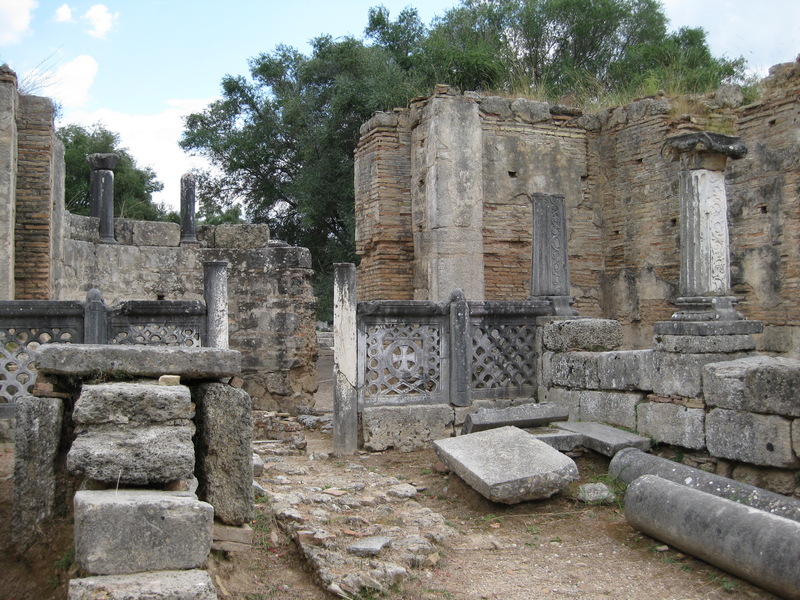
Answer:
(705, 393)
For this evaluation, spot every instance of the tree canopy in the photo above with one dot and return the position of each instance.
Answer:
(133, 186)
(281, 140)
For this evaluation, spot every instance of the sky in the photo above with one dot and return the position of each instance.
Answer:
(139, 66)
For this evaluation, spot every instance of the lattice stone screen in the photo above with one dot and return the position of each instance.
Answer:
(25, 325)
(451, 352)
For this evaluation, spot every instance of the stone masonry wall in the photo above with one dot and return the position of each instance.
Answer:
(271, 304)
(623, 207)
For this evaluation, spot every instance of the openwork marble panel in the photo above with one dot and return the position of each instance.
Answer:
(17, 356)
(402, 359)
(158, 334)
(502, 357)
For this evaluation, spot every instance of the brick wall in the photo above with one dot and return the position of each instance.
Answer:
(36, 172)
(384, 240)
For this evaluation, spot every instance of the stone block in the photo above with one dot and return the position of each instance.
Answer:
(752, 438)
(461, 412)
(84, 229)
(243, 236)
(672, 424)
(796, 436)
(563, 441)
(158, 585)
(604, 439)
(122, 403)
(227, 533)
(507, 465)
(762, 384)
(224, 451)
(625, 370)
(138, 361)
(523, 415)
(134, 455)
(569, 399)
(153, 233)
(703, 344)
(131, 531)
(571, 370)
(591, 335)
(405, 428)
(531, 111)
(36, 440)
(677, 374)
(614, 408)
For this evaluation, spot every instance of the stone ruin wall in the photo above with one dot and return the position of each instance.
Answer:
(622, 205)
(48, 253)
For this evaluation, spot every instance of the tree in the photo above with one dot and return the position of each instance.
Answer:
(283, 141)
(133, 186)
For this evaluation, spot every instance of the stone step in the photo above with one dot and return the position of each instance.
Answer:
(131, 531)
(522, 416)
(507, 464)
(605, 439)
(157, 585)
(126, 403)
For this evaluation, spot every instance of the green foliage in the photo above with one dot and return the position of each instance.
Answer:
(281, 139)
(133, 186)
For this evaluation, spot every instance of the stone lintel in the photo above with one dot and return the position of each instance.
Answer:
(139, 361)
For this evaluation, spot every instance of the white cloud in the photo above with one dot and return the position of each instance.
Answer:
(101, 19)
(15, 19)
(152, 141)
(64, 14)
(71, 82)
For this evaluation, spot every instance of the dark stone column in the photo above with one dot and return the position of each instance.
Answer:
(188, 229)
(102, 193)
(549, 258)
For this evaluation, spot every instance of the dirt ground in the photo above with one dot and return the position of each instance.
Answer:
(552, 549)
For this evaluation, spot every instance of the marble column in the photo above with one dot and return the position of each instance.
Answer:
(705, 279)
(215, 291)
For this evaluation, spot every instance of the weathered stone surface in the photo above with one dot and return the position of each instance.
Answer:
(625, 370)
(531, 111)
(703, 344)
(796, 436)
(495, 105)
(228, 533)
(522, 415)
(629, 464)
(708, 328)
(36, 440)
(224, 452)
(563, 441)
(596, 493)
(142, 361)
(592, 335)
(405, 427)
(681, 374)
(122, 403)
(569, 399)
(507, 465)
(157, 585)
(244, 236)
(604, 439)
(614, 408)
(134, 455)
(369, 546)
(762, 384)
(130, 531)
(571, 369)
(751, 544)
(672, 424)
(752, 438)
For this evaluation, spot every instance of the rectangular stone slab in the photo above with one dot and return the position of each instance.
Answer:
(604, 439)
(507, 465)
(138, 361)
(131, 531)
(522, 416)
(156, 585)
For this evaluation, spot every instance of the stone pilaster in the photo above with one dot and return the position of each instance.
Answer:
(447, 200)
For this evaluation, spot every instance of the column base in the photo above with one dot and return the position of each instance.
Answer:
(707, 315)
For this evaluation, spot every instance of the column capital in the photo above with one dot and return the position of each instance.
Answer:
(703, 150)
